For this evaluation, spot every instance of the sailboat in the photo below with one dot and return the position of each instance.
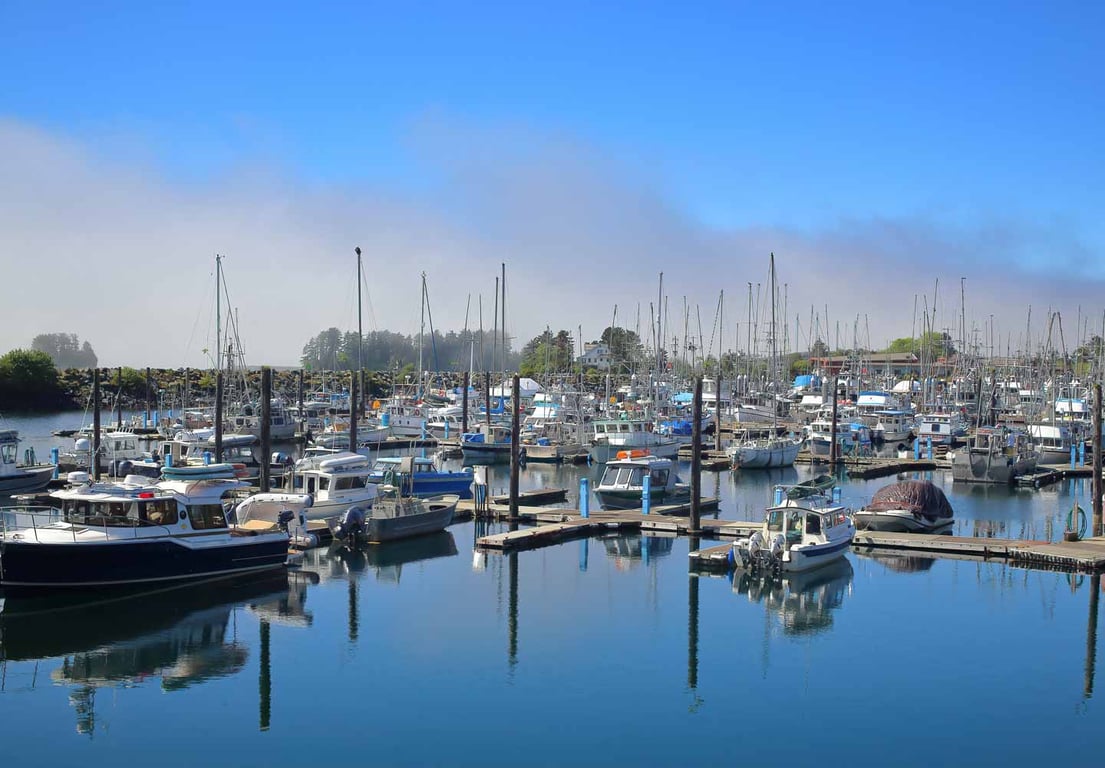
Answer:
(767, 452)
(244, 415)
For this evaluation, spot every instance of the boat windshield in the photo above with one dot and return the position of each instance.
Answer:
(623, 476)
(125, 514)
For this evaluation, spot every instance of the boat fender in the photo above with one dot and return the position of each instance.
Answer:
(731, 558)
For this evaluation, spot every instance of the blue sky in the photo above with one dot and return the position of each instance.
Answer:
(814, 121)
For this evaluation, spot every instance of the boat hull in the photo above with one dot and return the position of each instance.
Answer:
(437, 516)
(972, 467)
(604, 452)
(899, 521)
(799, 559)
(766, 457)
(631, 499)
(79, 565)
(26, 480)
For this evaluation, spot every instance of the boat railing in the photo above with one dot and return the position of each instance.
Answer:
(23, 523)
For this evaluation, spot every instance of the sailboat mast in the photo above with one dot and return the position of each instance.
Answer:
(360, 332)
(218, 312)
(774, 373)
(421, 334)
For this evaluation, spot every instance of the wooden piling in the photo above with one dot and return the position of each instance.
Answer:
(219, 395)
(95, 424)
(353, 412)
(696, 457)
(1095, 529)
(464, 404)
(265, 479)
(515, 447)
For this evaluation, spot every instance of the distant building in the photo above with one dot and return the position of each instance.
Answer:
(595, 356)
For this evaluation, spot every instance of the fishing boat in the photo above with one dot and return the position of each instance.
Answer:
(610, 436)
(395, 515)
(942, 427)
(115, 448)
(803, 529)
(622, 483)
(909, 506)
(994, 455)
(135, 532)
(487, 446)
(336, 481)
(764, 453)
(425, 477)
(20, 478)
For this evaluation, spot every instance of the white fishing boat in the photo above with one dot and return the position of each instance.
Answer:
(804, 528)
(909, 506)
(764, 453)
(135, 532)
(336, 481)
(622, 482)
(942, 427)
(609, 436)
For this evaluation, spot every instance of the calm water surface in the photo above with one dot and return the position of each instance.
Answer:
(596, 652)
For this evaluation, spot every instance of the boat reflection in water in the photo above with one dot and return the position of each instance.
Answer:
(340, 561)
(182, 636)
(804, 601)
(630, 549)
(899, 562)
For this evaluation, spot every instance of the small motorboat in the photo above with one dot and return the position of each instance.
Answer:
(623, 480)
(804, 528)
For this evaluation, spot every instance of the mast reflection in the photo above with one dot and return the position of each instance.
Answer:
(183, 636)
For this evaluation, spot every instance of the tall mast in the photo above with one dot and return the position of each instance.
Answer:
(421, 333)
(360, 333)
(774, 374)
(218, 313)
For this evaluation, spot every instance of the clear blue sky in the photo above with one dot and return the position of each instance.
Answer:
(742, 114)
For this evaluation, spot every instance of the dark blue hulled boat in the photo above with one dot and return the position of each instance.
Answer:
(114, 534)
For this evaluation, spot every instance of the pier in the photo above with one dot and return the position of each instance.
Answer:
(553, 526)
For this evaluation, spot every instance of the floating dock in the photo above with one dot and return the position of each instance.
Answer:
(1085, 555)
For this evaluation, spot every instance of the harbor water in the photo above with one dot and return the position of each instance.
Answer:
(603, 651)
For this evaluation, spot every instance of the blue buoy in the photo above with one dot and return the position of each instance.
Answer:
(778, 500)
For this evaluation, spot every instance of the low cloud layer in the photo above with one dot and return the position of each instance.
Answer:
(122, 253)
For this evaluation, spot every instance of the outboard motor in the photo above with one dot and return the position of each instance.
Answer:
(285, 517)
(350, 524)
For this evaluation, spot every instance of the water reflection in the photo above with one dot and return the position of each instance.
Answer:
(899, 562)
(183, 636)
(340, 561)
(803, 602)
(630, 550)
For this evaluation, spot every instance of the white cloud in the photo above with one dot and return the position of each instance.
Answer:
(118, 251)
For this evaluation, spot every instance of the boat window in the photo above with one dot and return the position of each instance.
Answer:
(311, 484)
(659, 478)
(346, 483)
(813, 523)
(600, 429)
(206, 516)
(609, 476)
(7, 453)
(76, 510)
(323, 483)
(775, 520)
(160, 511)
